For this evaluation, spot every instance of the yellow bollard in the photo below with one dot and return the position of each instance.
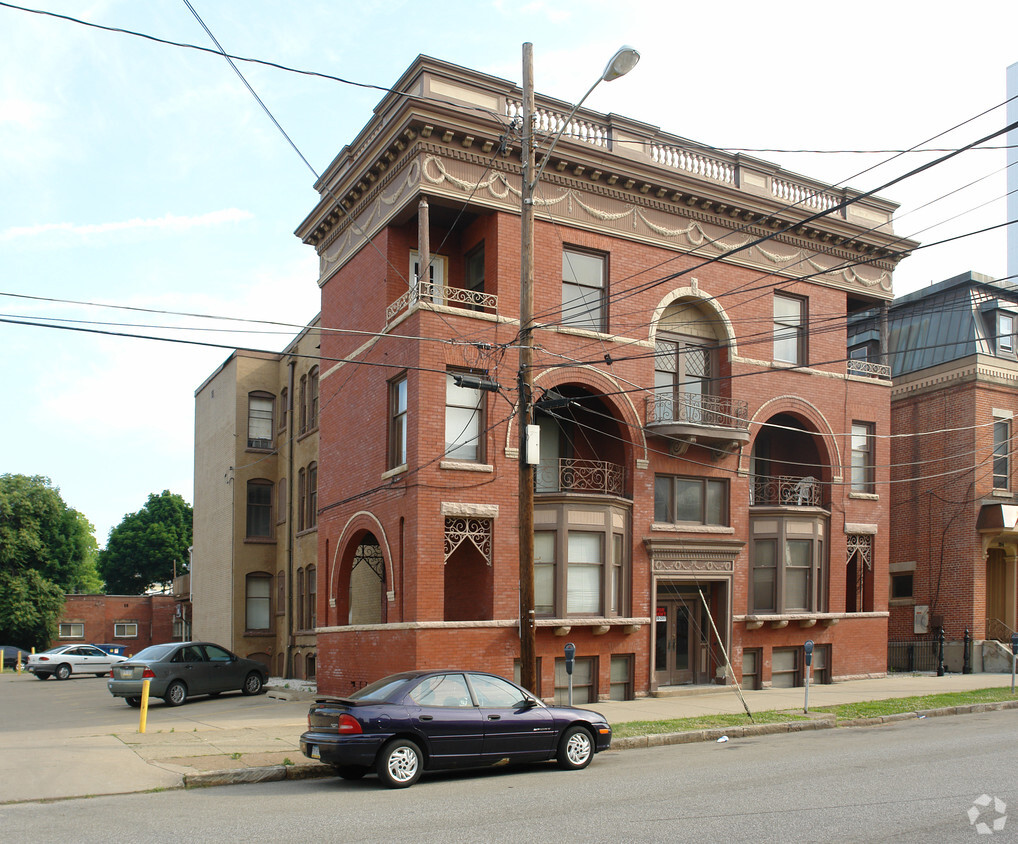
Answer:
(144, 705)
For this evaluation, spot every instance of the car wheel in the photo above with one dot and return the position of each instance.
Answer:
(399, 764)
(252, 683)
(351, 772)
(176, 693)
(63, 671)
(576, 749)
(41, 676)
(133, 701)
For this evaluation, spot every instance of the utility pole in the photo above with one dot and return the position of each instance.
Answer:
(528, 632)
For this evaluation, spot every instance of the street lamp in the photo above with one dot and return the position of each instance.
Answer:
(621, 63)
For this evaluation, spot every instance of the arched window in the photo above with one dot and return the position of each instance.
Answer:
(302, 494)
(312, 504)
(303, 398)
(259, 601)
(259, 419)
(312, 611)
(313, 398)
(259, 508)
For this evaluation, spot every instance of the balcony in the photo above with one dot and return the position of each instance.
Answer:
(786, 491)
(586, 477)
(866, 369)
(694, 417)
(437, 294)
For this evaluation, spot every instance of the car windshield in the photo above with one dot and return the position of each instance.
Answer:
(381, 689)
(153, 653)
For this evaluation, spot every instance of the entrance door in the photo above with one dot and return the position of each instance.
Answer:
(675, 640)
(996, 593)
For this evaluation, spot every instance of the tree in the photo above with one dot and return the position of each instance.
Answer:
(148, 547)
(46, 550)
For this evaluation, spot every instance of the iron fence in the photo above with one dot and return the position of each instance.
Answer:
(917, 655)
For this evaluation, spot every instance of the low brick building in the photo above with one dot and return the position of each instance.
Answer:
(132, 621)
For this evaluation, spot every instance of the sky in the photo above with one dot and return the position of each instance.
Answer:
(146, 176)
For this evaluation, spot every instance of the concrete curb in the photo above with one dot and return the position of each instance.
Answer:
(271, 773)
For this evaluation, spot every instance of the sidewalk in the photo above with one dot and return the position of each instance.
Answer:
(186, 751)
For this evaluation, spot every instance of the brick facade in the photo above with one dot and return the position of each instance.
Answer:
(418, 552)
(99, 615)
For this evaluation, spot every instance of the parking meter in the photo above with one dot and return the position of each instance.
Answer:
(570, 658)
(1014, 654)
(808, 648)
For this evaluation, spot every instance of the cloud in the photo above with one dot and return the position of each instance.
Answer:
(168, 222)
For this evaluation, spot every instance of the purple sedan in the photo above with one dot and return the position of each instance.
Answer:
(402, 725)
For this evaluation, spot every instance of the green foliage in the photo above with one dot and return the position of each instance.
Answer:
(39, 532)
(46, 550)
(29, 608)
(147, 547)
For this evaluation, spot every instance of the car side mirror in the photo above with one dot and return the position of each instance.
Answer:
(528, 703)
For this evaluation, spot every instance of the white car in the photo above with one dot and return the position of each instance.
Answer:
(65, 660)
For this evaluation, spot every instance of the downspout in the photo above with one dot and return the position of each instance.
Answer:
(290, 425)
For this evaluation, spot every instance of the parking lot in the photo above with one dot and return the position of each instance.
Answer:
(72, 738)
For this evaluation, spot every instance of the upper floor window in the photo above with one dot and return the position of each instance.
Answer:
(583, 289)
(789, 329)
(682, 377)
(300, 599)
(312, 504)
(302, 496)
(302, 400)
(1001, 453)
(259, 508)
(259, 420)
(313, 398)
(696, 501)
(464, 421)
(863, 463)
(398, 422)
(1005, 333)
(432, 289)
(284, 398)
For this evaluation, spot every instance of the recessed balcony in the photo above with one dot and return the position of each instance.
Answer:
(786, 491)
(450, 297)
(694, 417)
(586, 477)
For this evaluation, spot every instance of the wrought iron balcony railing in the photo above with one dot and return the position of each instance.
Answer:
(595, 477)
(453, 297)
(869, 370)
(698, 409)
(786, 491)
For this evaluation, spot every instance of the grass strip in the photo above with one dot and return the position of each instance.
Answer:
(841, 712)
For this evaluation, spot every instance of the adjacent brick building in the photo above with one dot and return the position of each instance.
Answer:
(714, 459)
(954, 352)
(254, 559)
(131, 621)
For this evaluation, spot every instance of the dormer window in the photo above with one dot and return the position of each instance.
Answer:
(1005, 333)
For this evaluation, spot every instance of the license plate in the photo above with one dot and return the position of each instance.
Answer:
(315, 753)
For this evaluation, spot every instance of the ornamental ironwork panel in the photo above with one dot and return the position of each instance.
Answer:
(460, 529)
(370, 553)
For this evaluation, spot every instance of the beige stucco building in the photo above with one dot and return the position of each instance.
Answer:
(255, 514)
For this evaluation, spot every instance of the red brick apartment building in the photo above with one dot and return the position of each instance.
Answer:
(955, 364)
(713, 467)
